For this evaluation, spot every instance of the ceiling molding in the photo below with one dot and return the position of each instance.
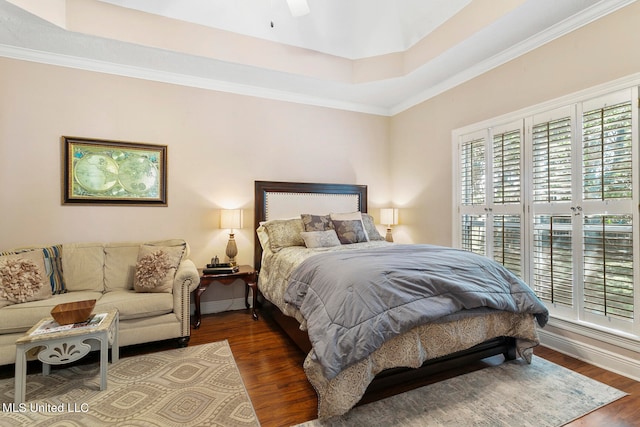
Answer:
(87, 64)
(554, 32)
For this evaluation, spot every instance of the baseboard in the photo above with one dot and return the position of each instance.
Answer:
(588, 353)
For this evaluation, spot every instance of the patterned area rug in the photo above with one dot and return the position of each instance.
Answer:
(193, 386)
(511, 394)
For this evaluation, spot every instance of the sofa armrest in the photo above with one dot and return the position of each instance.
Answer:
(186, 280)
(187, 275)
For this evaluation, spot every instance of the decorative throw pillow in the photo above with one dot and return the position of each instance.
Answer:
(320, 239)
(23, 277)
(350, 231)
(349, 227)
(156, 268)
(316, 222)
(52, 265)
(370, 228)
(284, 233)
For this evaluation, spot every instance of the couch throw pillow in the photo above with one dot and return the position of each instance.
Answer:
(156, 268)
(23, 277)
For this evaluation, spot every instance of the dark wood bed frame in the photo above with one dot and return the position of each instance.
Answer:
(503, 345)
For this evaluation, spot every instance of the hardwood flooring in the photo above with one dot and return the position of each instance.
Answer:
(271, 368)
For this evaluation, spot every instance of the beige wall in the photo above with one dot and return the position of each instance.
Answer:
(421, 137)
(218, 144)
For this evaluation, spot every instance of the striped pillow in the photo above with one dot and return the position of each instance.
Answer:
(52, 263)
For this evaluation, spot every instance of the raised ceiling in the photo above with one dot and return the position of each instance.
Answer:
(374, 56)
(346, 28)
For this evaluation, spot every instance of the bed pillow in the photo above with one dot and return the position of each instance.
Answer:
(284, 233)
(316, 222)
(350, 231)
(263, 236)
(349, 227)
(23, 277)
(370, 228)
(320, 239)
(156, 268)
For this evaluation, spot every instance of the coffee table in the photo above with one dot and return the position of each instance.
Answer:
(66, 346)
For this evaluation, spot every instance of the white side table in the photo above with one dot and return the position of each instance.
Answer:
(66, 346)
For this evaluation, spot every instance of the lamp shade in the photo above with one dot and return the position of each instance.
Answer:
(231, 218)
(389, 216)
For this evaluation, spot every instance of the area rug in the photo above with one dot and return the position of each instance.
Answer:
(511, 394)
(192, 386)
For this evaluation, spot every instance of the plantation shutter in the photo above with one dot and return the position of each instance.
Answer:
(607, 183)
(552, 160)
(552, 187)
(552, 259)
(473, 169)
(474, 231)
(506, 206)
(507, 242)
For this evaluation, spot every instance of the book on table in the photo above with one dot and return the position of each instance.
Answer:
(51, 325)
(221, 270)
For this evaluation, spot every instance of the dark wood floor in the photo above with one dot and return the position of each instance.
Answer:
(271, 368)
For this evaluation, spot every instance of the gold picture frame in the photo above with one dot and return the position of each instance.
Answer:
(98, 171)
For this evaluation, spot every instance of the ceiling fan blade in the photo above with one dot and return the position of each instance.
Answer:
(298, 7)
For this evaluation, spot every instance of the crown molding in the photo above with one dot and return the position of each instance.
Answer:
(88, 64)
(554, 32)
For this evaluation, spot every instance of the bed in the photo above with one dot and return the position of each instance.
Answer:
(347, 354)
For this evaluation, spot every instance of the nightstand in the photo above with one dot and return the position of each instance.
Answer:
(245, 273)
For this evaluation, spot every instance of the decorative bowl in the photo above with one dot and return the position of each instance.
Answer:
(73, 312)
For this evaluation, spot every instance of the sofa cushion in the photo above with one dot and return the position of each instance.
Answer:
(120, 265)
(132, 305)
(83, 266)
(21, 317)
(23, 277)
(156, 268)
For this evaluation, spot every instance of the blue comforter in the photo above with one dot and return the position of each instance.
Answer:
(354, 301)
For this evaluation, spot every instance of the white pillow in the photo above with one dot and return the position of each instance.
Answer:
(320, 239)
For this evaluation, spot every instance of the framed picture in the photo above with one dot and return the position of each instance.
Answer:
(113, 172)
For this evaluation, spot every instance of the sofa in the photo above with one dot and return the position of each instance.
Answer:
(149, 283)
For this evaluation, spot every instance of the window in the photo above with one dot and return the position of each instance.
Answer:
(492, 207)
(551, 196)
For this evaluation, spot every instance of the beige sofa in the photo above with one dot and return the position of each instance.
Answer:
(105, 272)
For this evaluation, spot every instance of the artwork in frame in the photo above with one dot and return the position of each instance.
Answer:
(106, 172)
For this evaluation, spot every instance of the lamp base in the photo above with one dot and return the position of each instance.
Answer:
(232, 249)
(389, 236)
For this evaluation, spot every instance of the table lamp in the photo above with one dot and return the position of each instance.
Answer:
(231, 219)
(389, 217)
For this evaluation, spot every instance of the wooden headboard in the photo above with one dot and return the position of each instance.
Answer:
(280, 200)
